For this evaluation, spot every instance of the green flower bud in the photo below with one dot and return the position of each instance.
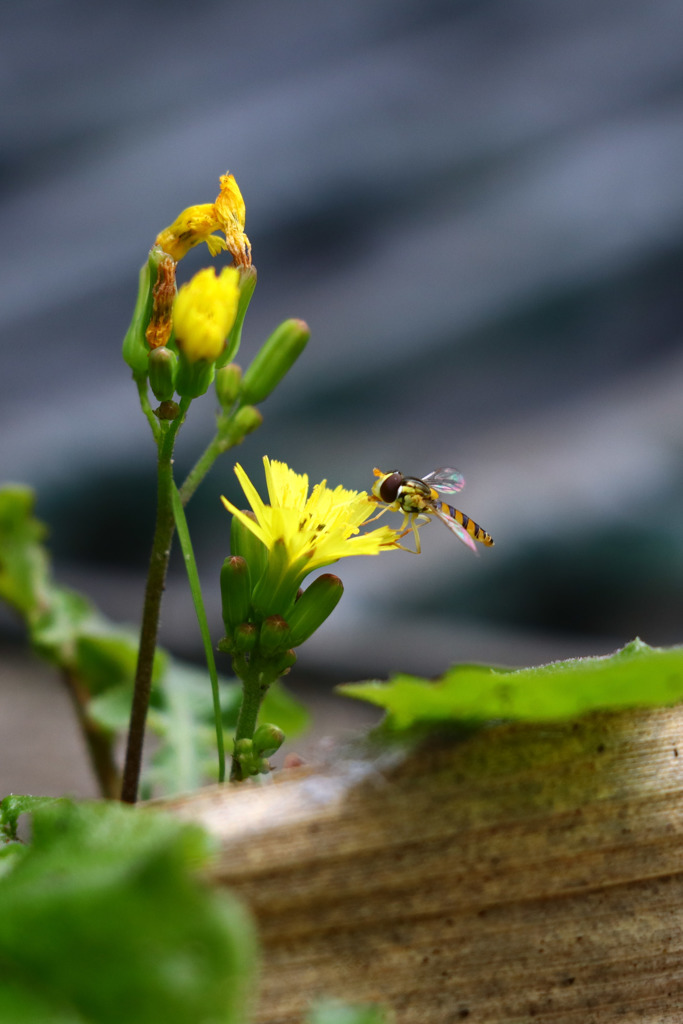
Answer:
(135, 348)
(249, 547)
(247, 284)
(285, 662)
(268, 739)
(194, 378)
(250, 762)
(317, 602)
(273, 637)
(228, 381)
(244, 638)
(235, 592)
(233, 429)
(162, 369)
(246, 420)
(275, 357)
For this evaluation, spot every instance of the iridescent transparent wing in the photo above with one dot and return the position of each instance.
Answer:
(456, 528)
(446, 480)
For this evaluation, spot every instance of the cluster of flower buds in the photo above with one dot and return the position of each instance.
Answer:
(260, 641)
(271, 637)
(200, 333)
(253, 754)
(180, 340)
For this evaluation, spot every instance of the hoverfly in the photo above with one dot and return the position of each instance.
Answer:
(418, 498)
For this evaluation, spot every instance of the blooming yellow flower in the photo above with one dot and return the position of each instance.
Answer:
(309, 530)
(204, 312)
(198, 223)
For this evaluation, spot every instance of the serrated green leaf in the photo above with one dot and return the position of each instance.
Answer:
(635, 676)
(103, 919)
(106, 655)
(182, 717)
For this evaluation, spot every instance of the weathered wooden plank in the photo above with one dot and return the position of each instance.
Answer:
(525, 873)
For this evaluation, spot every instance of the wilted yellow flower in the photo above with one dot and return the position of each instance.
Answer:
(230, 213)
(204, 312)
(309, 530)
(198, 223)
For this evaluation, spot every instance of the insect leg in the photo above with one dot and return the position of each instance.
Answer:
(380, 513)
(410, 521)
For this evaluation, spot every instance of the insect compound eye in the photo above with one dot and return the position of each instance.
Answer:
(389, 487)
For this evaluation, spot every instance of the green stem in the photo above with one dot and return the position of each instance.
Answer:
(256, 677)
(193, 578)
(147, 408)
(229, 434)
(202, 466)
(156, 580)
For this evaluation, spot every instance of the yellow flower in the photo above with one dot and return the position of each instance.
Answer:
(303, 531)
(204, 311)
(198, 223)
(230, 214)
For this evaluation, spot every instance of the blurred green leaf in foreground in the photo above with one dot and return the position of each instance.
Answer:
(102, 920)
(635, 676)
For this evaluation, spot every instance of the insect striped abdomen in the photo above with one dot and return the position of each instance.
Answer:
(474, 529)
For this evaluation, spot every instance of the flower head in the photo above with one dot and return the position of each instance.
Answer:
(304, 531)
(204, 311)
(198, 223)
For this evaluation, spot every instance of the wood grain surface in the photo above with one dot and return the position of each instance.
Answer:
(526, 873)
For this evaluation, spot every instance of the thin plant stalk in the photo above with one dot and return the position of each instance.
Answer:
(156, 581)
(206, 460)
(193, 577)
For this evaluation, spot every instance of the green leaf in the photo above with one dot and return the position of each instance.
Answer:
(103, 919)
(182, 716)
(284, 710)
(106, 655)
(635, 676)
(22, 1006)
(12, 807)
(55, 627)
(23, 562)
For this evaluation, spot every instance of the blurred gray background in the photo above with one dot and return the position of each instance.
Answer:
(478, 207)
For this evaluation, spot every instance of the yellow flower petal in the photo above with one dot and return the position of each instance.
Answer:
(194, 225)
(315, 529)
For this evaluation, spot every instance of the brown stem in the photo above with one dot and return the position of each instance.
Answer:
(156, 581)
(99, 743)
